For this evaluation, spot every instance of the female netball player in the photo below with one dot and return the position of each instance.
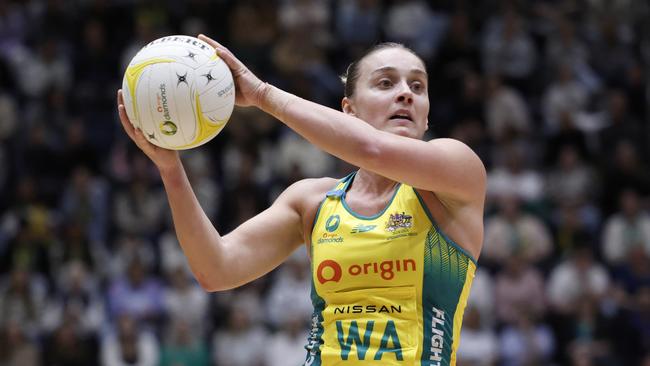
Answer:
(393, 246)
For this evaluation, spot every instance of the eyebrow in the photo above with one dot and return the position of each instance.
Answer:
(390, 69)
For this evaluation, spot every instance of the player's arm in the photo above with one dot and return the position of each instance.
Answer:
(251, 250)
(445, 166)
(248, 252)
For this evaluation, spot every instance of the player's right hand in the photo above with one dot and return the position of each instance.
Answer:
(162, 158)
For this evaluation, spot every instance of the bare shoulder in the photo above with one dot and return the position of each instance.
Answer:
(305, 197)
(307, 192)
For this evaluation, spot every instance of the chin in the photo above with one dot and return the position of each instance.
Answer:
(406, 132)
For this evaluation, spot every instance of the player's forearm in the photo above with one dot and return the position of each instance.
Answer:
(198, 238)
(337, 133)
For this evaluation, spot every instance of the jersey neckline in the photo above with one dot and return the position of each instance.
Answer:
(347, 183)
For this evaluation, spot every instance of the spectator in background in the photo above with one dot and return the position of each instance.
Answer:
(255, 46)
(74, 246)
(285, 299)
(414, 23)
(572, 86)
(16, 347)
(43, 68)
(138, 207)
(571, 180)
(285, 347)
(634, 272)
(518, 286)
(587, 332)
(69, 346)
(526, 342)
(635, 87)
(77, 303)
(96, 65)
(626, 229)
(311, 17)
(78, 152)
(186, 305)
(565, 49)
(246, 157)
(183, 347)
(138, 295)
(612, 53)
(357, 24)
(480, 346)
(481, 296)
(508, 50)
(40, 161)
(457, 57)
(577, 276)
(241, 342)
(14, 27)
(85, 205)
(574, 224)
(513, 176)
(125, 249)
(568, 134)
(626, 170)
(296, 153)
(22, 298)
(513, 231)
(129, 344)
(506, 112)
(620, 126)
(566, 95)
(640, 316)
(34, 238)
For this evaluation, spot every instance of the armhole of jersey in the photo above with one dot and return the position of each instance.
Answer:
(435, 225)
(313, 225)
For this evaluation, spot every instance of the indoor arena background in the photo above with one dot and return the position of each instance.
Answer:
(552, 95)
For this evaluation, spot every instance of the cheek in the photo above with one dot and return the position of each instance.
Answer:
(373, 105)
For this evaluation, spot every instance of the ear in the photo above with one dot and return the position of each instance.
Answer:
(426, 127)
(347, 107)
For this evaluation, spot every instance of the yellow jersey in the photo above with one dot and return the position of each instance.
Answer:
(388, 289)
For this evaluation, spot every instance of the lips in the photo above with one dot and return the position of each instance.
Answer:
(402, 114)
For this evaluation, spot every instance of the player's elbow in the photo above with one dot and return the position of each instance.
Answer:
(209, 283)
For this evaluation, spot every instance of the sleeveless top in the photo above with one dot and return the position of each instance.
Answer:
(388, 289)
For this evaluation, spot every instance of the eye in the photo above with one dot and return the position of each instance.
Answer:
(417, 86)
(385, 83)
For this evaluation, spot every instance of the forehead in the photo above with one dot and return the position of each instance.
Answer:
(397, 58)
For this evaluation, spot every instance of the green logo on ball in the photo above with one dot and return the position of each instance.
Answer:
(168, 128)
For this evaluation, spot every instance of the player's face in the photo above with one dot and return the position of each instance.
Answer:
(392, 93)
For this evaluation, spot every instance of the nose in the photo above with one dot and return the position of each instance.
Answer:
(405, 94)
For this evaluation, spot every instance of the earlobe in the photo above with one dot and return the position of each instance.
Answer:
(346, 106)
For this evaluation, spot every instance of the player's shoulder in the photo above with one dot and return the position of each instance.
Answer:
(312, 186)
(306, 192)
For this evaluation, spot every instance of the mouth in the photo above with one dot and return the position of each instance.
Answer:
(403, 115)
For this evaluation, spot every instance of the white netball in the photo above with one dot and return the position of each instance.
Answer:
(178, 92)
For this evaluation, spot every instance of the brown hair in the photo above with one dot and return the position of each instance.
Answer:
(351, 75)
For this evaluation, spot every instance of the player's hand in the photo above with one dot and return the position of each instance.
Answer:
(248, 87)
(162, 158)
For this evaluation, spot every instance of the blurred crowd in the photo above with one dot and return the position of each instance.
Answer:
(551, 94)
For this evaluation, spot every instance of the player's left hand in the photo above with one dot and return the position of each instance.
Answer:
(248, 87)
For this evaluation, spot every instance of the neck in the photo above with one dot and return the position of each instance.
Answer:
(369, 182)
